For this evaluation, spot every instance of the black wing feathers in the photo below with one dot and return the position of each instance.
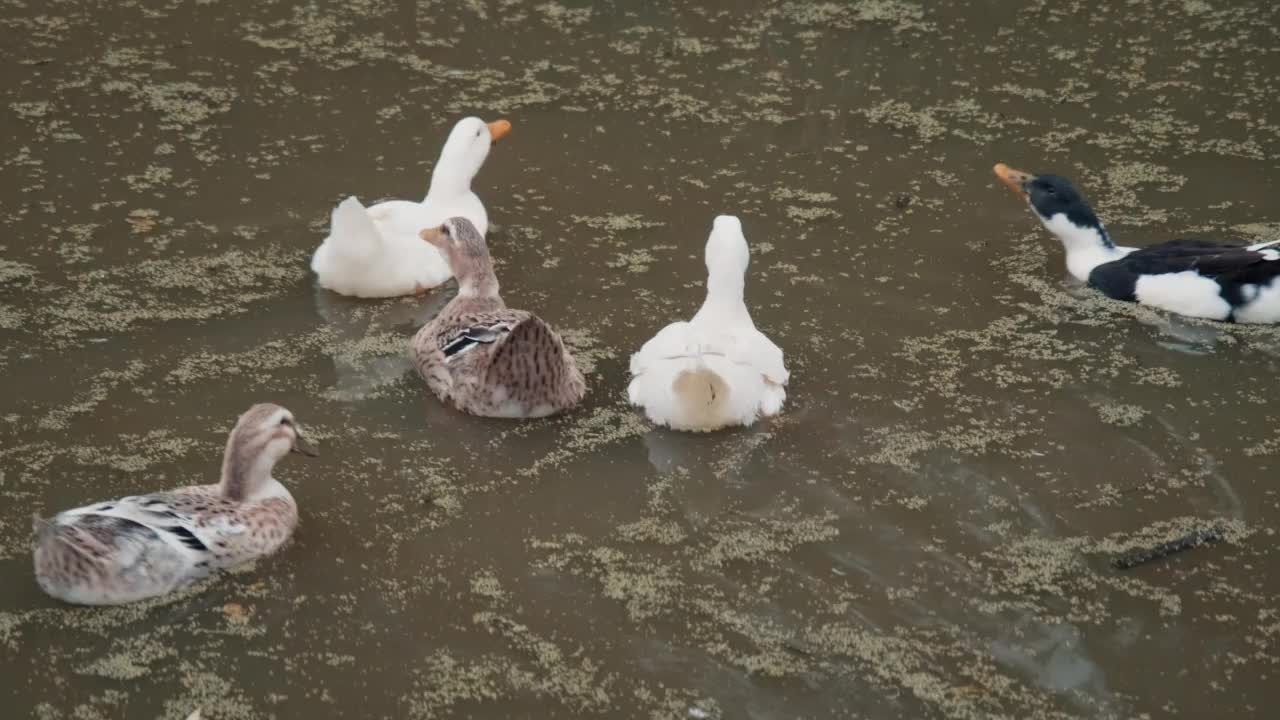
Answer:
(186, 537)
(1232, 268)
(475, 335)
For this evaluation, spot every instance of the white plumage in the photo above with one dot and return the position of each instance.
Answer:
(1186, 293)
(376, 252)
(715, 370)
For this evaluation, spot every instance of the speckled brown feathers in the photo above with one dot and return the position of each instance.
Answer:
(484, 358)
(146, 545)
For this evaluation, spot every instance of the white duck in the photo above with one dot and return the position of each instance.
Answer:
(376, 252)
(716, 370)
(142, 546)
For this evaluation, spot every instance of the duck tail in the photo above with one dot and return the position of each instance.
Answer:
(702, 395)
(1264, 245)
(533, 348)
(52, 545)
(59, 538)
(351, 231)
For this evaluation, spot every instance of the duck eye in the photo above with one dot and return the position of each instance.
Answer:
(1050, 190)
(444, 230)
(286, 421)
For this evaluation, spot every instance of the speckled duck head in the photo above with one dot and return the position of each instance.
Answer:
(263, 435)
(468, 255)
(1060, 207)
(463, 155)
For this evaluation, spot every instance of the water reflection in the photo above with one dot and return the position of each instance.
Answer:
(362, 366)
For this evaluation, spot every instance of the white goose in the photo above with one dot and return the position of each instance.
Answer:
(716, 370)
(376, 252)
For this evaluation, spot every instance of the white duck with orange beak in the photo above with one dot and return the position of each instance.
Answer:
(376, 252)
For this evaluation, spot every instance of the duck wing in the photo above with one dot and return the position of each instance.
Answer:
(754, 348)
(1232, 267)
(746, 346)
(1203, 256)
(477, 331)
(749, 347)
(530, 355)
(177, 519)
(100, 540)
(98, 556)
(1182, 246)
(671, 342)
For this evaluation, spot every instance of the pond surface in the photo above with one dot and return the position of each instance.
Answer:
(923, 533)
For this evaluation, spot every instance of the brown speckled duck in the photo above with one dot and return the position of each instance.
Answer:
(138, 547)
(483, 357)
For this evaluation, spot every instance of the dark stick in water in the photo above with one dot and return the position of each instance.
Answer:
(1141, 556)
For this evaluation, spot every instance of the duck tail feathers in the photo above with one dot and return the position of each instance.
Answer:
(531, 345)
(702, 395)
(351, 229)
(56, 540)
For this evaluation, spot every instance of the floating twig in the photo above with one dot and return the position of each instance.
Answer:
(1142, 556)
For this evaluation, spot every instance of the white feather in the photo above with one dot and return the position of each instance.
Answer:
(1186, 293)
(716, 370)
(377, 252)
(1085, 246)
(155, 516)
(1263, 305)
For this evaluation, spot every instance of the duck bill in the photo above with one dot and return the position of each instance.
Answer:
(1015, 180)
(497, 129)
(433, 236)
(304, 446)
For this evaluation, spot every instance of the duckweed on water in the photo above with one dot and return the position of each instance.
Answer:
(923, 533)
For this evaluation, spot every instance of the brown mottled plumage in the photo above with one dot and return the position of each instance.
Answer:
(481, 356)
(141, 546)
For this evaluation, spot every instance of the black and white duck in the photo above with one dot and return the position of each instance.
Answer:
(1196, 278)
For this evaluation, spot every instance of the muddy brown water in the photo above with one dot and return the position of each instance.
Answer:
(925, 531)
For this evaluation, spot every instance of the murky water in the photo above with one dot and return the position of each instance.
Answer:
(923, 533)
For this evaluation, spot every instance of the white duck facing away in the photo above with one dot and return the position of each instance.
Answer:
(376, 252)
(143, 546)
(716, 370)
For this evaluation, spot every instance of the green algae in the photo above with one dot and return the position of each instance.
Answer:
(967, 437)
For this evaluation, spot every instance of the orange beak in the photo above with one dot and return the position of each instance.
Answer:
(497, 129)
(433, 236)
(1013, 179)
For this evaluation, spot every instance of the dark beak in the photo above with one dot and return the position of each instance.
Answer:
(302, 445)
(1015, 180)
